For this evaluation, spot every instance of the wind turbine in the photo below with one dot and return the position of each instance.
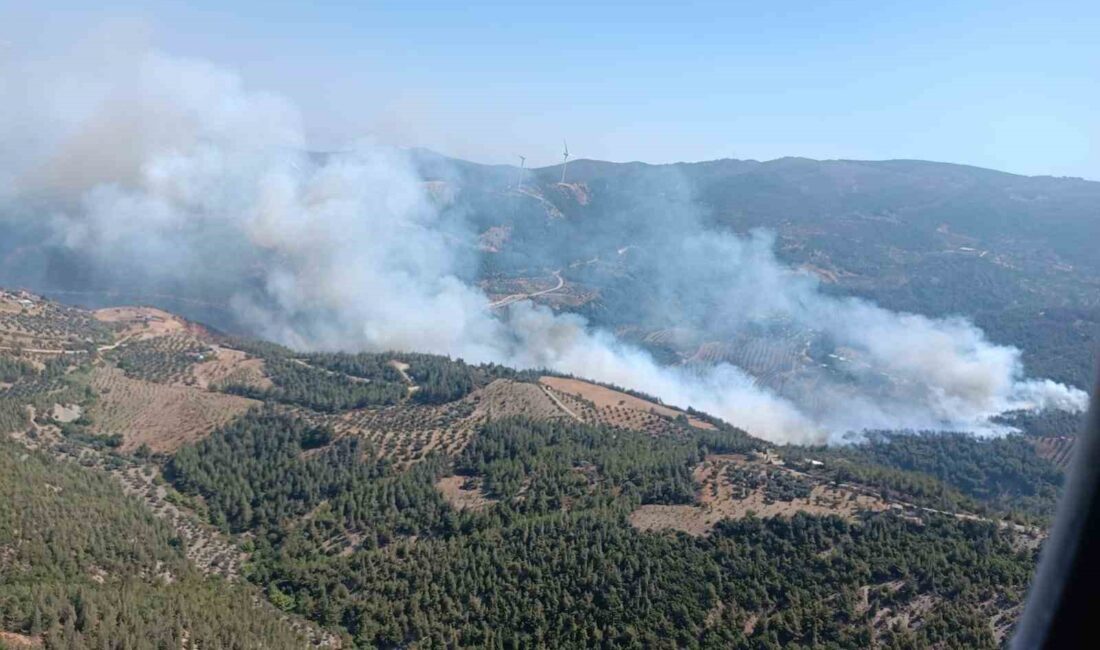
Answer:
(565, 160)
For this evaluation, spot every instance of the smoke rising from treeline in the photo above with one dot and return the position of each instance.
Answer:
(167, 174)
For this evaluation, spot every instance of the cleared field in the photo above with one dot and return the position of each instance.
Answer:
(616, 416)
(1056, 449)
(503, 398)
(164, 417)
(65, 413)
(229, 366)
(141, 322)
(494, 238)
(726, 494)
(463, 493)
(19, 641)
(615, 407)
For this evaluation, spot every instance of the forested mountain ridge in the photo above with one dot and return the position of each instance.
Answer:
(1013, 253)
(399, 500)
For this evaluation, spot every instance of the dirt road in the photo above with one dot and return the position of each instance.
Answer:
(560, 404)
(516, 297)
(102, 348)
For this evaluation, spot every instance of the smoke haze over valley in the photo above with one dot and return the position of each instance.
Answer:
(138, 172)
(498, 325)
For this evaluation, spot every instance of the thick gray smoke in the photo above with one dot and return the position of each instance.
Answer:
(168, 173)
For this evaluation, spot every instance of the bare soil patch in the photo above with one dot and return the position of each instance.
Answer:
(503, 398)
(463, 493)
(720, 499)
(20, 641)
(142, 322)
(66, 413)
(162, 416)
(616, 416)
(616, 407)
(229, 366)
(402, 369)
(494, 239)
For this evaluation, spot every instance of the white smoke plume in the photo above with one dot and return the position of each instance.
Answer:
(170, 171)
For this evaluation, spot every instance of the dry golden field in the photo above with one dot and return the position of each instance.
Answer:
(164, 417)
(596, 403)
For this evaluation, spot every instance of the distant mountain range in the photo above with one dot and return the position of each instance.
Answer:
(1014, 253)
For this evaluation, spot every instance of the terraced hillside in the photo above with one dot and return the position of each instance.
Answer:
(600, 404)
(158, 416)
(1056, 449)
(83, 565)
(27, 322)
(393, 499)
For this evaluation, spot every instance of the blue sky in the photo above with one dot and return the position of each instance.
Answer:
(1008, 85)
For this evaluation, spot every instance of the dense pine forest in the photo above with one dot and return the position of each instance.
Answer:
(520, 521)
(1005, 473)
(556, 564)
(82, 565)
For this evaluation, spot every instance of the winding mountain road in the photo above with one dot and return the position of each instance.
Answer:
(516, 297)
